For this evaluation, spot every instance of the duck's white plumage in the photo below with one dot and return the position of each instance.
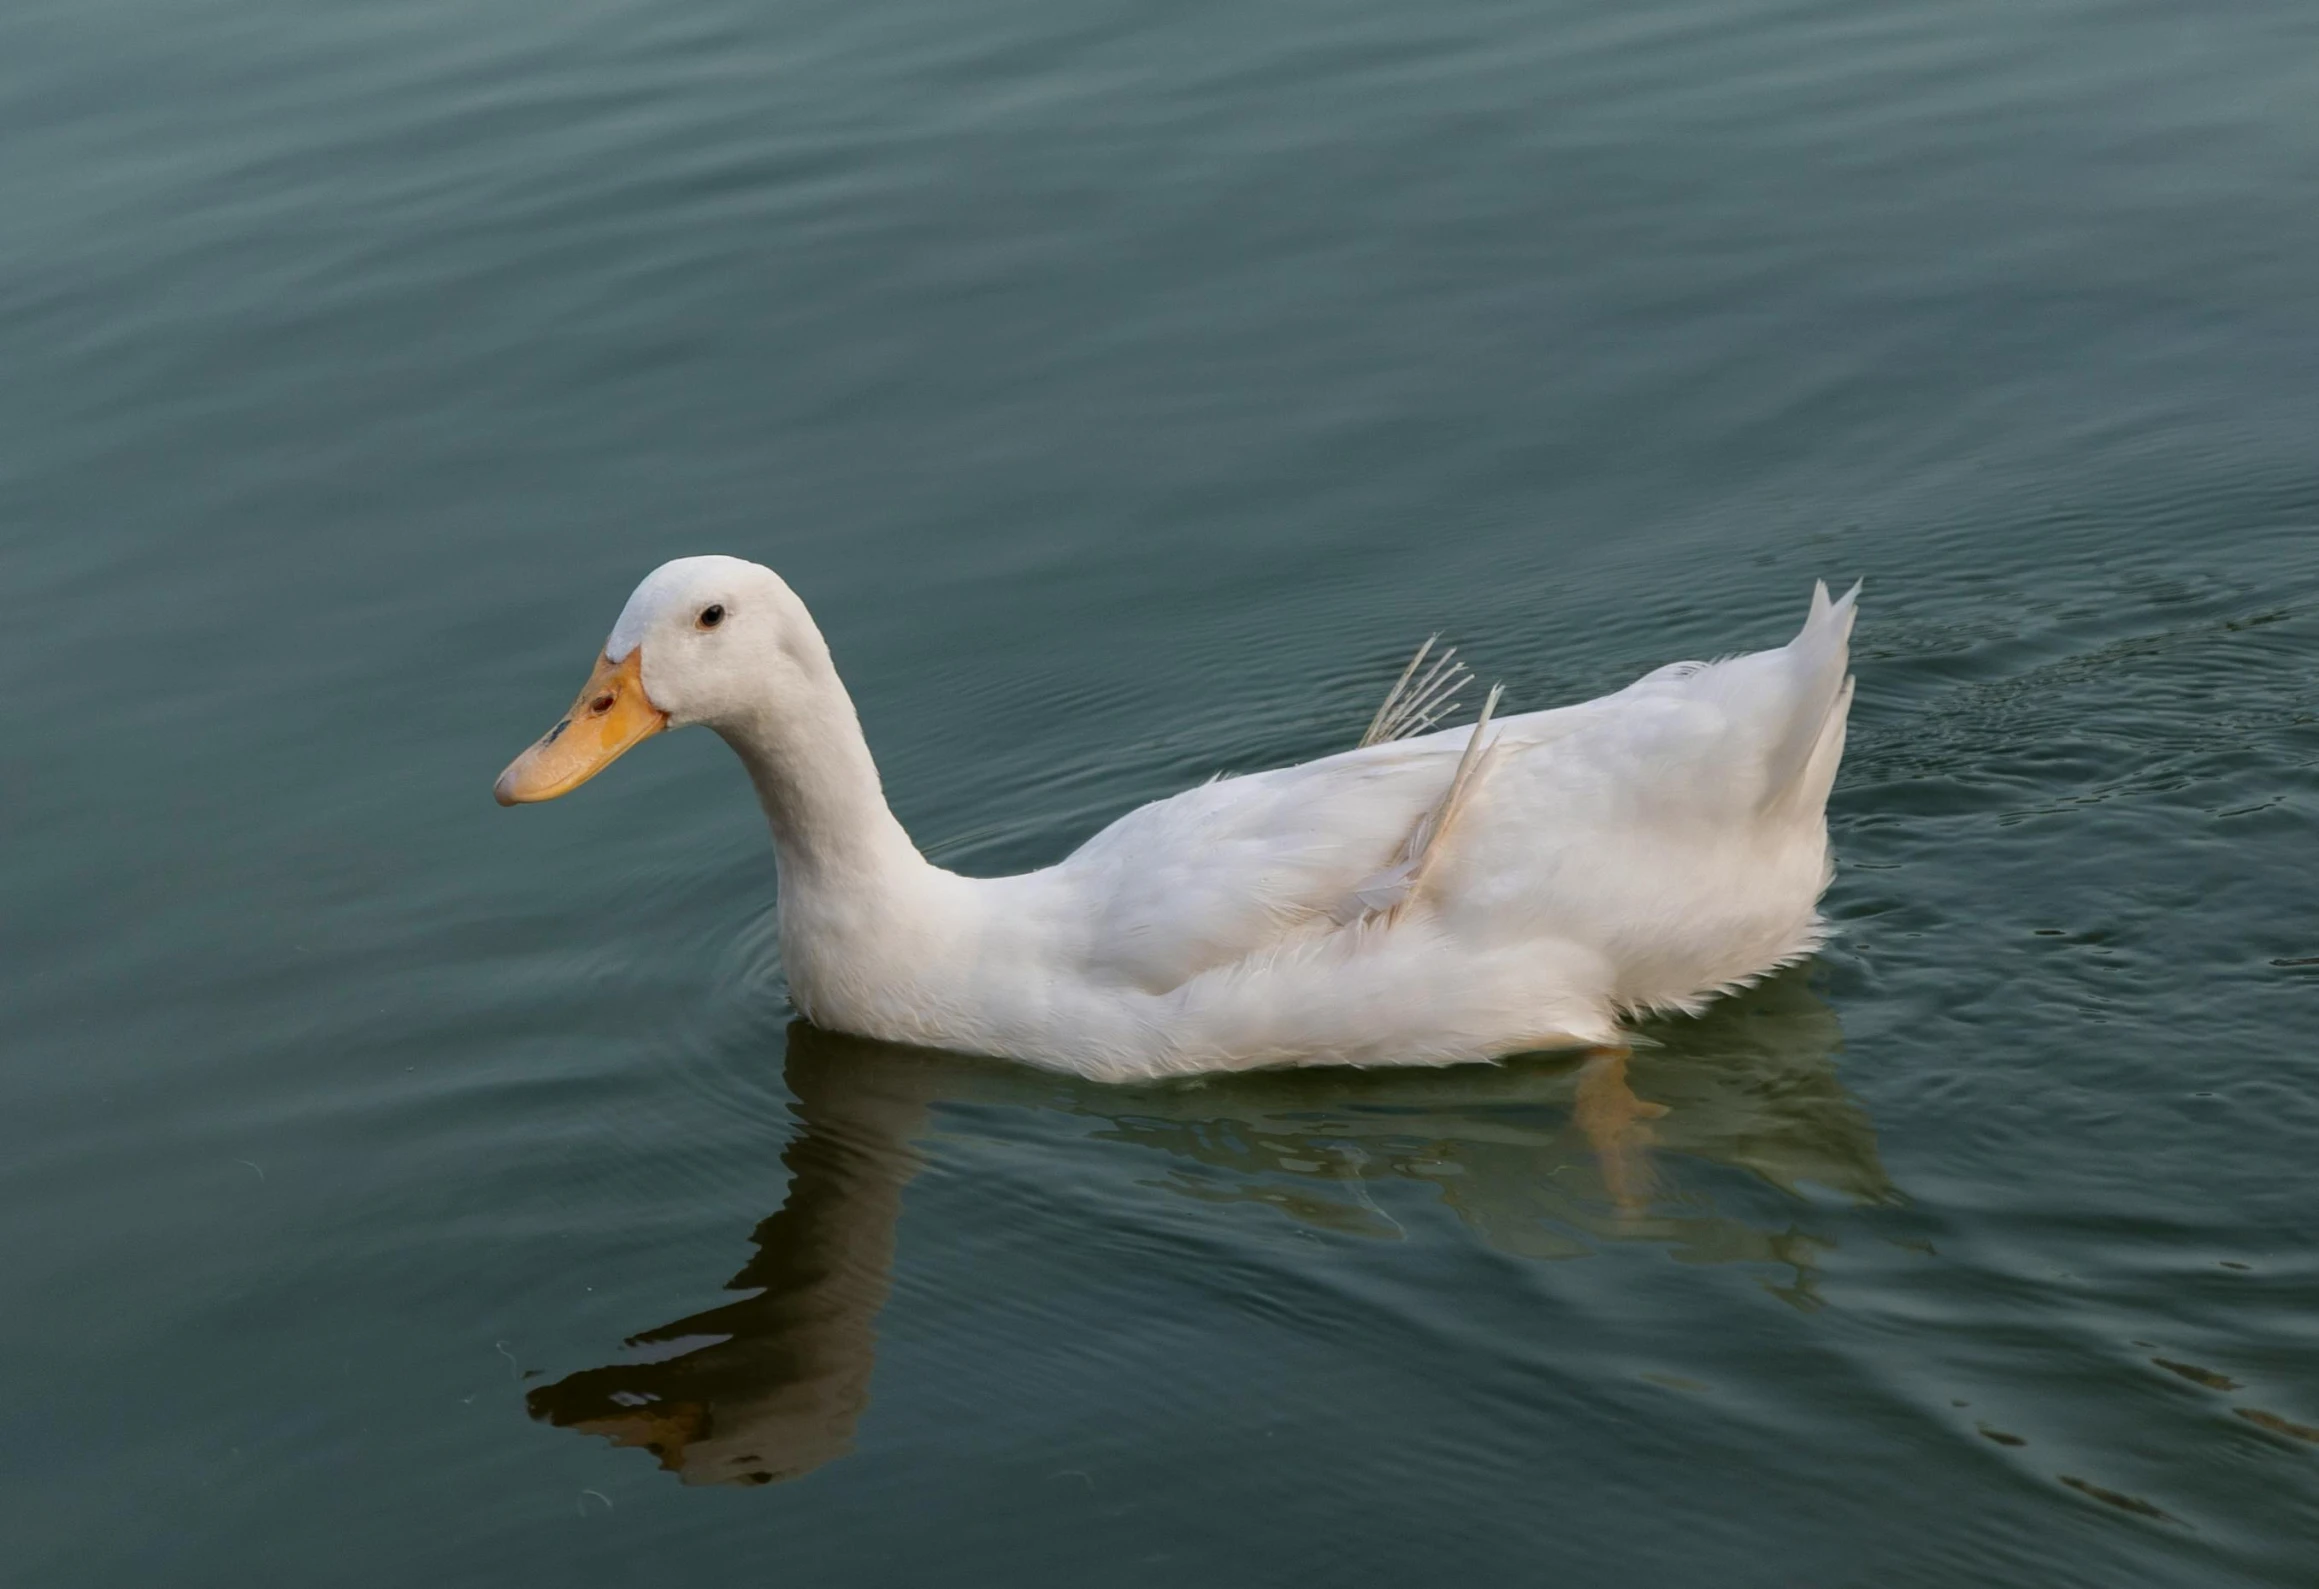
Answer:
(1645, 850)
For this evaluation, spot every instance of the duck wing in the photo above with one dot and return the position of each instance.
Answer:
(1694, 754)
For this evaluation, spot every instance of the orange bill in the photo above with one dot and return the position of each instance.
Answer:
(612, 713)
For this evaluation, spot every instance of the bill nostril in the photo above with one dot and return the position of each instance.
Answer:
(600, 705)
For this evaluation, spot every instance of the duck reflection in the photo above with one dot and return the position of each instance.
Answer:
(1545, 1158)
(1550, 1156)
(771, 1386)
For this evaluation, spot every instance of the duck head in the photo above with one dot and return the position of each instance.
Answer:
(702, 640)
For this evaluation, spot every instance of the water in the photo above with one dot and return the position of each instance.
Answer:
(1127, 388)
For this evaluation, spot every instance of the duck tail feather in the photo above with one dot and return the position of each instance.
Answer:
(1820, 657)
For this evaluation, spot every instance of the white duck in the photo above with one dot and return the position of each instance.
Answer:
(1424, 899)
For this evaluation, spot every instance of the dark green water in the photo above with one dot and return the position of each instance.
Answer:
(1127, 388)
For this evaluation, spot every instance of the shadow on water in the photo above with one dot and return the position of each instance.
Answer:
(1545, 1157)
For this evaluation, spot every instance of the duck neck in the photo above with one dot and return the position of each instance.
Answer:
(833, 833)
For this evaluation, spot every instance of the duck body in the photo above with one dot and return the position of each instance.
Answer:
(1642, 851)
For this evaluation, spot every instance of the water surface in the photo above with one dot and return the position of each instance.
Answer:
(402, 1190)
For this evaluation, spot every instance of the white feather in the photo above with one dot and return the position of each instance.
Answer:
(1410, 709)
(1384, 893)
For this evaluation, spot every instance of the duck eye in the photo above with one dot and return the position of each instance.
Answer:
(712, 615)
